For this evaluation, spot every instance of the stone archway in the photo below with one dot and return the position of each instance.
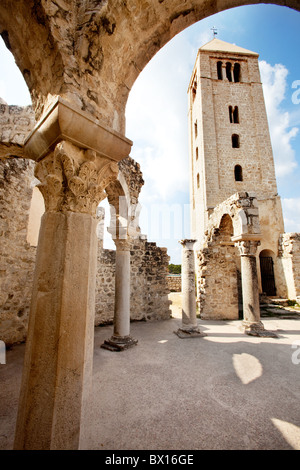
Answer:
(266, 261)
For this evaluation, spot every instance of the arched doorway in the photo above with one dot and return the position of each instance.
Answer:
(266, 260)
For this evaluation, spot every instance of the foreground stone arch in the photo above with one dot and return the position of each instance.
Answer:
(90, 53)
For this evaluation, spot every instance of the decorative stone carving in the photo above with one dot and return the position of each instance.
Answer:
(247, 247)
(71, 181)
(123, 245)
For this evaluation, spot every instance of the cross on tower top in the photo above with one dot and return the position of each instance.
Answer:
(214, 30)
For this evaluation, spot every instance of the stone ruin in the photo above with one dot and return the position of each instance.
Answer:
(19, 234)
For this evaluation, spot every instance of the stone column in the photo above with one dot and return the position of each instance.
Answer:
(121, 338)
(251, 324)
(189, 326)
(57, 368)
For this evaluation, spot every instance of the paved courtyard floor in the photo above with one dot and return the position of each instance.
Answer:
(226, 390)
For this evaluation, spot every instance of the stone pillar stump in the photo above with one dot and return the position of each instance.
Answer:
(121, 338)
(251, 324)
(189, 327)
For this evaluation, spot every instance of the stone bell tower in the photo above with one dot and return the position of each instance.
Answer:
(230, 146)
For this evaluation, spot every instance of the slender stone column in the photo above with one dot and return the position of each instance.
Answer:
(121, 338)
(251, 324)
(189, 326)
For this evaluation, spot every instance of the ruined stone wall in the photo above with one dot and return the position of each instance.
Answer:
(17, 257)
(149, 287)
(218, 262)
(15, 124)
(218, 280)
(289, 259)
(174, 283)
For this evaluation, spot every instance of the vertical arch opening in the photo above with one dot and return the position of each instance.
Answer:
(194, 89)
(228, 71)
(196, 129)
(237, 72)
(266, 261)
(219, 70)
(236, 119)
(238, 173)
(226, 227)
(235, 140)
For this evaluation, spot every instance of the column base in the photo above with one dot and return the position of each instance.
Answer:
(119, 343)
(189, 333)
(257, 329)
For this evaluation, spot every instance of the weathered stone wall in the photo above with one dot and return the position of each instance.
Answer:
(174, 283)
(218, 261)
(218, 280)
(17, 256)
(15, 124)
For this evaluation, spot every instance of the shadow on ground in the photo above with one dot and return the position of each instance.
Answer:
(224, 391)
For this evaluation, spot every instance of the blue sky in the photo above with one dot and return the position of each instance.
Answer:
(156, 114)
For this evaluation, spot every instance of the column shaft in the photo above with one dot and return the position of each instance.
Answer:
(189, 327)
(59, 349)
(250, 290)
(189, 319)
(122, 294)
(252, 324)
(121, 338)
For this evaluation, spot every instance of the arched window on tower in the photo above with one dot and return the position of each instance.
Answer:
(235, 139)
(237, 72)
(197, 153)
(238, 173)
(198, 180)
(228, 71)
(194, 89)
(219, 70)
(196, 129)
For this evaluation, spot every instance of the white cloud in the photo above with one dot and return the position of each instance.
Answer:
(156, 118)
(274, 79)
(2, 90)
(291, 210)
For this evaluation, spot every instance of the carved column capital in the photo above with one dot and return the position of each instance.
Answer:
(187, 243)
(122, 244)
(247, 247)
(73, 179)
